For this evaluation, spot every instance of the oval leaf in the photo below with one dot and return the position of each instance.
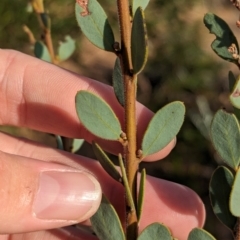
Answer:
(46, 20)
(219, 190)
(106, 163)
(226, 137)
(235, 94)
(141, 194)
(163, 127)
(139, 46)
(155, 231)
(118, 82)
(66, 48)
(97, 116)
(41, 51)
(139, 3)
(235, 196)
(200, 234)
(224, 36)
(94, 24)
(105, 222)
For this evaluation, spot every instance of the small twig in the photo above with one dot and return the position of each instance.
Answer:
(31, 37)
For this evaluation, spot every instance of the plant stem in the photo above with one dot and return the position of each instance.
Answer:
(131, 162)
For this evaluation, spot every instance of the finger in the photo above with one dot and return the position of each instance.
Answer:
(165, 202)
(42, 195)
(41, 96)
(69, 233)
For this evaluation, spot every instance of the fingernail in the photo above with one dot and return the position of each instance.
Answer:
(68, 196)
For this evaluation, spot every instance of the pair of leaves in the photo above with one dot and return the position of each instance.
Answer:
(65, 50)
(94, 24)
(110, 168)
(97, 116)
(107, 226)
(225, 136)
(224, 37)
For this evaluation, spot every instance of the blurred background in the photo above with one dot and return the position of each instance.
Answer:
(181, 66)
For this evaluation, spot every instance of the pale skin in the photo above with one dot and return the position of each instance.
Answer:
(40, 96)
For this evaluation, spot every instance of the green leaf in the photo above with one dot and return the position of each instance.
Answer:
(106, 163)
(163, 127)
(41, 51)
(226, 137)
(139, 41)
(235, 196)
(235, 94)
(94, 25)
(66, 48)
(139, 3)
(126, 185)
(200, 234)
(219, 190)
(224, 37)
(77, 144)
(155, 231)
(141, 194)
(118, 82)
(105, 222)
(45, 20)
(97, 116)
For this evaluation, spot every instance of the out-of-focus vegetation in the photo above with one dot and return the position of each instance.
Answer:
(181, 66)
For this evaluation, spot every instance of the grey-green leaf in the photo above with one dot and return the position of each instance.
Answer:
(141, 194)
(45, 20)
(219, 190)
(200, 234)
(126, 185)
(118, 82)
(163, 127)
(66, 48)
(224, 36)
(139, 3)
(77, 144)
(106, 163)
(97, 116)
(235, 196)
(105, 222)
(226, 137)
(94, 25)
(155, 231)
(41, 51)
(139, 41)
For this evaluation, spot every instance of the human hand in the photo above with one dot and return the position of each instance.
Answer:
(41, 96)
